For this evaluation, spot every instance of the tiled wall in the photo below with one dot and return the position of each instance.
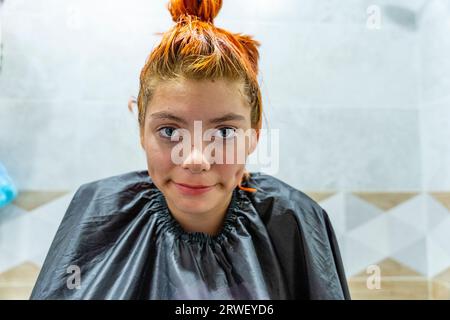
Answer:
(363, 114)
(404, 234)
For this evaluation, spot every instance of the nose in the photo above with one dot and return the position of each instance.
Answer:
(196, 161)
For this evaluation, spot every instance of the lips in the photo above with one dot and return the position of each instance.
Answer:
(191, 189)
(193, 186)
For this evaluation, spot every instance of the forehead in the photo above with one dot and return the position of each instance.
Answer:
(199, 98)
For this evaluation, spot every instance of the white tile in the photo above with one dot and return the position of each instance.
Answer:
(68, 143)
(26, 236)
(335, 207)
(435, 49)
(311, 11)
(16, 236)
(349, 149)
(357, 256)
(435, 134)
(43, 235)
(10, 212)
(54, 211)
(343, 66)
(359, 212)
(440, 234)
(36, 64)
(374, 234)
(401, 235)
(348, 212)
(39, 258)
(415, 256)
(438, 256)
(422, 212)
(8, 260)
(436, 212)
(386, 234)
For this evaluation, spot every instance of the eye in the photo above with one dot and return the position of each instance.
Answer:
(226, 133)
(169, 133)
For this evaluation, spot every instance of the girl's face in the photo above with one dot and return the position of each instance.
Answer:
(207, 156)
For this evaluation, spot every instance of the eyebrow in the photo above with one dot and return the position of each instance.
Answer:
(169, 116)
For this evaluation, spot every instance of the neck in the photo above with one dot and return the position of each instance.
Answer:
(209, 222)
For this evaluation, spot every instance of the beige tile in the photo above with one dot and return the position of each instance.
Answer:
(15, 293)
(24, 274)
(385, 200)
(391, 268)
(440, 290)
(319, 196)
(441, 286)
(29, 200)
(443, 198)
(443, 276)
(18, 282)
(391, 289)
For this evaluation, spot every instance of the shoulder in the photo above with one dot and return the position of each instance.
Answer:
(113, 194)
(303, 236)
(113, 185)
(275, 197)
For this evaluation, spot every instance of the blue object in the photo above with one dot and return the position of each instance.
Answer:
(8, 191)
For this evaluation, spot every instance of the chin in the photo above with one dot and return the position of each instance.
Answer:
(188, 202)
(193, 205)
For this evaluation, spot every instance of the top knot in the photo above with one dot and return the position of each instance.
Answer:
(204, 10)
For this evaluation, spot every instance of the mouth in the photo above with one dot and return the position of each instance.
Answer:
(189, 189)
(193, 186)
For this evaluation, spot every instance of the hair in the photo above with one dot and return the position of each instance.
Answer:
(194, 48)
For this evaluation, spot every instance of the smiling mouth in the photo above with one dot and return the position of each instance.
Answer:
(193, 190)
(193, 186)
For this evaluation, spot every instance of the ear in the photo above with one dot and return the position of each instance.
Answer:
(141, 138)
(254, 138)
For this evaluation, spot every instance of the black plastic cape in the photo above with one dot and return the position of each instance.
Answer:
(276, 243)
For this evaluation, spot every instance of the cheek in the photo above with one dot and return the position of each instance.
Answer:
(232, 165)
(159, 160)
(234, 152)
(230, 174)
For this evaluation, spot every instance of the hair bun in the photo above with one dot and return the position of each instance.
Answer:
(204, 10)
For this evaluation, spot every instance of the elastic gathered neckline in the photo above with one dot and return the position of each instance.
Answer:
(229, 223)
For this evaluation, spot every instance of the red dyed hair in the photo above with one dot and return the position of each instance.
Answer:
(194, 48)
